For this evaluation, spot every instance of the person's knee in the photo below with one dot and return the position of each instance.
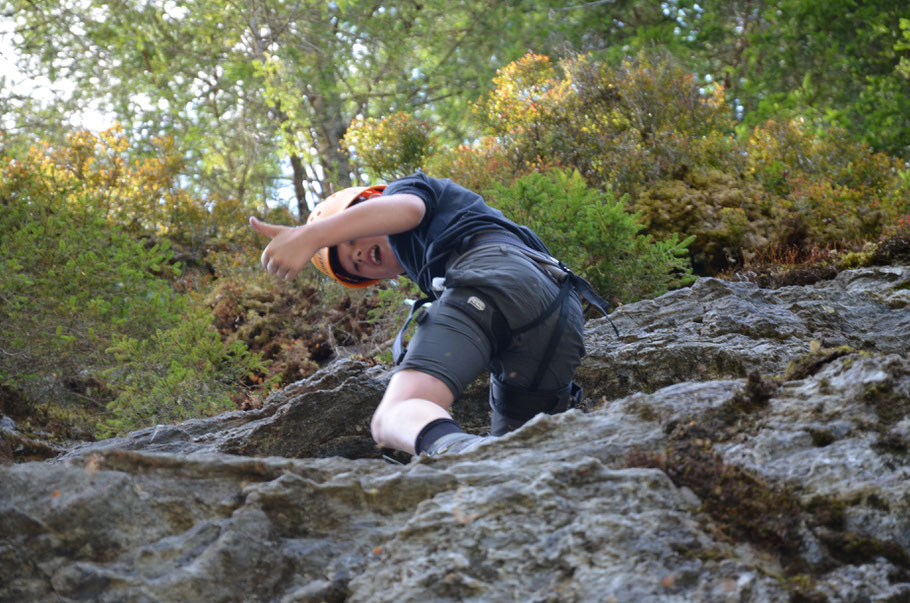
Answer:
(404, 403)
(382, 417)
(376, 423)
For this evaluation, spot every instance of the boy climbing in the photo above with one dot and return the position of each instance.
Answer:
(501, 302)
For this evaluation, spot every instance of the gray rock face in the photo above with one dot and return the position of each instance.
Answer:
(699, 485)
(719, 330)
(326, 415)
(843, 434)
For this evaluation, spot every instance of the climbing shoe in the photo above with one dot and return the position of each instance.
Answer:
(457, 443)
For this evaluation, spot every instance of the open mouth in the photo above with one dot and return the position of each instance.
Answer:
(375, 255)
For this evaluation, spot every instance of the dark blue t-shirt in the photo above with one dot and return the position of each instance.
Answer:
(453, 213)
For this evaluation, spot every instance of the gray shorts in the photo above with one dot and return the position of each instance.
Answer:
(457, 341)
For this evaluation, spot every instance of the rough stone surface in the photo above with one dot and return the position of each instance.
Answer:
(325, 415)
(843, 434)
(556, 511)
(719, 330)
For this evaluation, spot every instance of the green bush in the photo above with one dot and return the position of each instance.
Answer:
(75, 283)
(622, 125)
(476, 166)
(180, 373)
(728, 215)
(834, 189)
(390, 147)
(68, 282)
(300, 325)
(591, 231)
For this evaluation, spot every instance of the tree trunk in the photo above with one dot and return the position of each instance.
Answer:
(330, 125)
(303, 210)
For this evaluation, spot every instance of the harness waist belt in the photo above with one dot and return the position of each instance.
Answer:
(552, 265)
(568, 279)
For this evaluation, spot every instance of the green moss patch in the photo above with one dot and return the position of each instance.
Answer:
(811, 363)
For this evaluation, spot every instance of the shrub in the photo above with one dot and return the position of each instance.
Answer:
(390, 147)
(476, 166)
(779, 150)
(729, 217)
(622, 126)
(800, 188)
(142, 194)
(180, 373)
(67, 283)
(592, 232)
(836, 190)
(302, 324)
(76, 281)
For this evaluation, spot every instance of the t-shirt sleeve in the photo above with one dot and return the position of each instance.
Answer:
(421, 186)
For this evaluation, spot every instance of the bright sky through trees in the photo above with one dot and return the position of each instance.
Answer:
(41, 89)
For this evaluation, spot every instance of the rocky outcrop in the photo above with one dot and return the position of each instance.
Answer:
(325, 415)
(718, 329)
(741, 445)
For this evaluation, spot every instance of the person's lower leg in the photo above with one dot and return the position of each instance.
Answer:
(397, 425)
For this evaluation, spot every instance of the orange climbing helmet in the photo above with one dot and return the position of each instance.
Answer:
(326, 259)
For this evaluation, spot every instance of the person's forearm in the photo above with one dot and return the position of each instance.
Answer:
(380, 216)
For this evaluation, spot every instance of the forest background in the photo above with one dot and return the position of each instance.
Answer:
(648, 143)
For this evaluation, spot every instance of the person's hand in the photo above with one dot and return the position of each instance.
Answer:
(288, 252)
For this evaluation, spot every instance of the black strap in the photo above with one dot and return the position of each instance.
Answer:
(587, 293)
(555, 334)
(556, 303)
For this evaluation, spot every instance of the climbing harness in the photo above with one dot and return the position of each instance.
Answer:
(505, 397)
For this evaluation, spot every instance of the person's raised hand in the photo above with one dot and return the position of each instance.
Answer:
(289, 250)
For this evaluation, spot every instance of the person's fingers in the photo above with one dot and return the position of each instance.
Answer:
(269, 230)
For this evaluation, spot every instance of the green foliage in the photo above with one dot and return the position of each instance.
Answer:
(180, 373)
(642, 128)
(833, 189)
(592, 232)
(246, 88)
(389, 148)
(76, 281)
(622, 126)
(392, 302)
(778, 149)
(838, 60)
(799, 187)
(144, 198)
(302, 324)
(729, 216)
(476, 166)
(903, 67)
(885, 106)
(68, 280)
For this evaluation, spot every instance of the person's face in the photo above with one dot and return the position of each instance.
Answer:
(370, 258)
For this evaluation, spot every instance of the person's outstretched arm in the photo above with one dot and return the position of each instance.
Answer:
(292, 248)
